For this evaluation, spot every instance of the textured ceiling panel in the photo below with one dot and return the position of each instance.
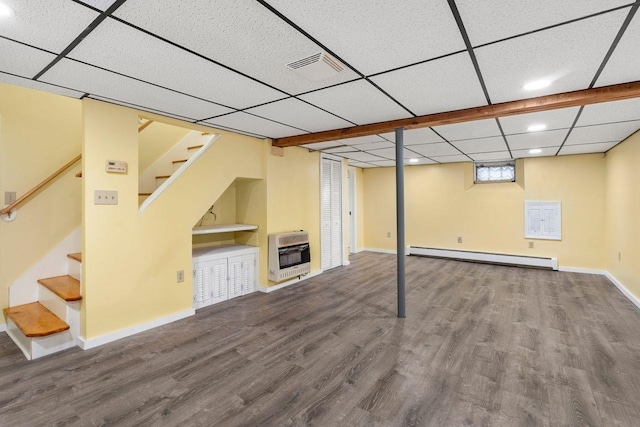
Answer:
(432, 83)
(624, 64)
(587, 148)
(343, 149)
(487, 21)
(22, 60)
(547, 151)
(569, 56)
(374, 145)
(554, 119)
(415, 136)
(490, 157)
(602, 133)
(359, 102)
(120, 48)
(299, 114)
(360, 140)
(242, 34)
(609, 112)
(384, 163)
(360, 164)
(380, 29)
(136, 107)
(256, 125)
(481, 145)
(46, 24)
(99, 4)
(551, 138)
(438, 149)
(390, 153)
(451, 159)
(362, 157)
(323, 145)
(33, 84)
(469, 130)
(103, 83)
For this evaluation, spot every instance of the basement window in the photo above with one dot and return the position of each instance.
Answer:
(495, 172)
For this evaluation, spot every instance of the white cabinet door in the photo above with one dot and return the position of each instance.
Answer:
(219, 282)
(235, 277)
(248, 274)
(202, 277)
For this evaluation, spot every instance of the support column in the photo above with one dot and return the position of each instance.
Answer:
(400, 219)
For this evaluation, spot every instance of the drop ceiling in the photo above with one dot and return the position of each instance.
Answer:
(223, 64)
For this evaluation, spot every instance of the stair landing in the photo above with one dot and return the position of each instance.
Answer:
(77, 257)
(34, 320)
(66, 287)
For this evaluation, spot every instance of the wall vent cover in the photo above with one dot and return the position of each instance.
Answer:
(316, 67)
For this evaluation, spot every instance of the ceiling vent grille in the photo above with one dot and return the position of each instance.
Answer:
(316, 67)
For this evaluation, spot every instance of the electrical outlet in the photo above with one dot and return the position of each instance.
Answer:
(530, 245)
(388, 234)
(459, 239)
(9, 197)
(180, 276)
(105, 197)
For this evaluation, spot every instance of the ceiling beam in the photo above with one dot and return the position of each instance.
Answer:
(511, 108)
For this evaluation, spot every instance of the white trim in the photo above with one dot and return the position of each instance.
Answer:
(487, 257)
(358, 250)
(346, 263)
(582, 270)
(86, 344)
(268, 289)
(381, 251)
(178, 173)
(623, 289)
(324, 155)
(3, 327)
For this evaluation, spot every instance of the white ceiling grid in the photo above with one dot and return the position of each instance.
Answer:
(224, 64)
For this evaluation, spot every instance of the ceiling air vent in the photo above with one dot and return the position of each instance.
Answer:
(317, 67)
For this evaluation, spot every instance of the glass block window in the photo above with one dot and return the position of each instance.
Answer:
(496, 172)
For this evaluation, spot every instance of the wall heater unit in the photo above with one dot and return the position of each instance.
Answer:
(289, 255)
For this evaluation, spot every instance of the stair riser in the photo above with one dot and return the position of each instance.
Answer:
(160, 181)
(75, 269)
(34, 348)
(69, 311)
(177, 166)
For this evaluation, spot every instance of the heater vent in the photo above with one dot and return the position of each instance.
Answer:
(316, 67)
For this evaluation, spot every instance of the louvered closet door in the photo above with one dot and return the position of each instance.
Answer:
(235, 277)
(325, 206)
(219, 280)
(202, 277)
(248, 274)
(331, 214)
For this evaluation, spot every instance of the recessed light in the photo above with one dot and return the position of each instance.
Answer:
(535, 151)
(537, 84)
(5, 11)
(413, 160)
(536, 128)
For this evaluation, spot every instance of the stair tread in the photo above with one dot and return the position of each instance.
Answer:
(193, 147)
(179, 161)
(76, 256)
(34, 320)
(162, 176)
(66, 287)
(144, 194)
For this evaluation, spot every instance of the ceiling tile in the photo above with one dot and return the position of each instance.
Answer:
(385, 163)
(610, 112)
(360, 164)
(568, 55)
(99, 82)
(323, 145)
(587, 148)
(99, 4)
(481, 145)
(452, 159)
(549, 138)
(437, 149)
(359, 102)
(427, 88)
(360, 140)
(624, 63)
(254, 124)
(491, 157)
(390, 153)
(491, 20)
(361, 156)
(343, 149)
(137, 107)
(50, 25)
(118, 47)
(374, 145)
(265, 42)
(421, 161)
(33, 84)
(299, 114)
(22, 60)
(554, 119)
(415, 136)
(548, 151)
(602, 133)
(469, 130)
(381, 30)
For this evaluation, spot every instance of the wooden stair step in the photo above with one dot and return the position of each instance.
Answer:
(193, 147)
(34, 320)
(179, 161)
(76, 256)
(144, 194)
(162, 176)
(66, 287)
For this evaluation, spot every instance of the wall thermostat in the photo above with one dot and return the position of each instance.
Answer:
(116, 166)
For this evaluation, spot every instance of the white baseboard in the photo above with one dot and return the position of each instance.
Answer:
(358, 250)
(531, 261)
(582, 270)
(380, 251)
(86, 344)
(345, 263)
(268, 289)
(3, 327)
(623, 289)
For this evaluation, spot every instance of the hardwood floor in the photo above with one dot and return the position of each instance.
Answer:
(481, 345)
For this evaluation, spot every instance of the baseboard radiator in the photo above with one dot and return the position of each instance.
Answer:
(486, 257)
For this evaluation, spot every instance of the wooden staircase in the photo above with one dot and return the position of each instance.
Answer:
(52, 323)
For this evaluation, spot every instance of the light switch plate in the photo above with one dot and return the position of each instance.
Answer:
(105, 197)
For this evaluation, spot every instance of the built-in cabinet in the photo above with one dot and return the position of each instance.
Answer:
(223, 272)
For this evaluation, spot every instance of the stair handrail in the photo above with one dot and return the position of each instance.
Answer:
(10, 210)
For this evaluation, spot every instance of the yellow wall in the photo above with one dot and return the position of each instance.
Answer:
(225, 213)
(131, 258)
(441, 204)
(155, 140)
(39, 132)
(623, 213)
